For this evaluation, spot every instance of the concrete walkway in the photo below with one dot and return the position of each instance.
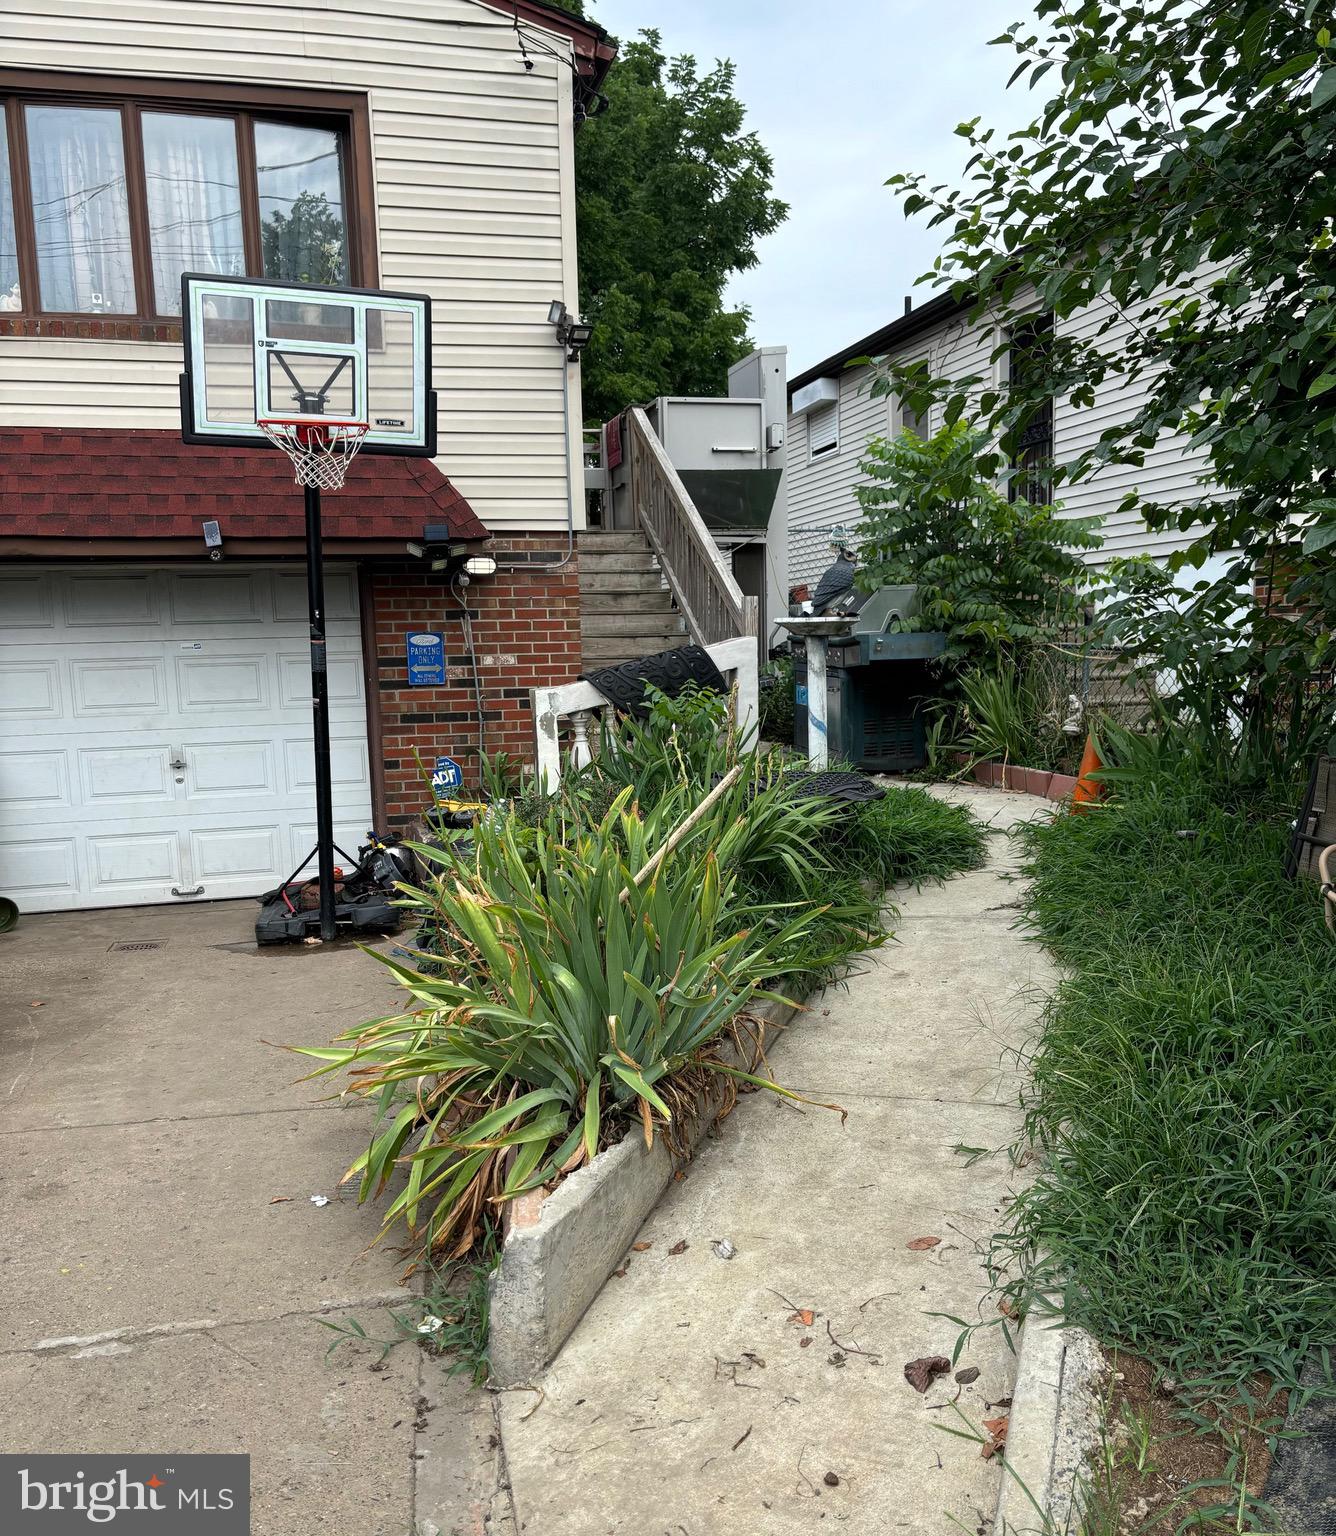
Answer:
(163, 1269)
(689, 1402)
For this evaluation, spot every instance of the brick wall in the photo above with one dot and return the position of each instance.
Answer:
(526, 631)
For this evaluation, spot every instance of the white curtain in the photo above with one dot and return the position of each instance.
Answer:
(9, 251)
(80, 210)
(194, 200)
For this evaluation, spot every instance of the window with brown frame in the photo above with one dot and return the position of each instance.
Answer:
(1032, 441)
(107, 195)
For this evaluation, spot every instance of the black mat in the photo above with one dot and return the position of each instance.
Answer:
(856, 788)
(670, 671)
(1301, 1489)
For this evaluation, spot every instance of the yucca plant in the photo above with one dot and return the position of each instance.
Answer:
(574, 1000)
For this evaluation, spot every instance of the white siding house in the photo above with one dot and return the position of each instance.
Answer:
(155, 706)
(821, 485)
(469, 195)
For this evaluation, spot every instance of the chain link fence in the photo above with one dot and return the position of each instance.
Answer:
(1104, 680)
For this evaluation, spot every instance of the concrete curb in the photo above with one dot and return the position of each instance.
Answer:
(562, 1247)
(1054, 1425)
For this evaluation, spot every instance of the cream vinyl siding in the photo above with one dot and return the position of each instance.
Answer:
(821, 493)
(1173, 471)
(821, 490)
(475, 206)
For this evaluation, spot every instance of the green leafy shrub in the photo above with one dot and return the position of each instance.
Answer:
(992, 574)
(1230, 682)
(684, 740)
(778, 699)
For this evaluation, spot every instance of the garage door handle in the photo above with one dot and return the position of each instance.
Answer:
(177, 765)
(197, 891)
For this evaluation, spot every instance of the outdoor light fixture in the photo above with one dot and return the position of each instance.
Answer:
(454, 558)
(573, 334)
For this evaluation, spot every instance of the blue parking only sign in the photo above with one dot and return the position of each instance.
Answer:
(426, 659)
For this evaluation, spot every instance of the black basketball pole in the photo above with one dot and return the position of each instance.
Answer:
(324, 799)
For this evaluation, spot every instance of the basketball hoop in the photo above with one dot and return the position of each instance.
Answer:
(320, 451)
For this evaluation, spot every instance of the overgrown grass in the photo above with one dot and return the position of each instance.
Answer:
(1184, 1093)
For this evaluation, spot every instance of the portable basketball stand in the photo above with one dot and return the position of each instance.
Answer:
(236, 331)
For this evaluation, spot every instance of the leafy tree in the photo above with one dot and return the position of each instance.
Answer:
(672, 195)
(1176, 187)
(994, 574)
(306, 244)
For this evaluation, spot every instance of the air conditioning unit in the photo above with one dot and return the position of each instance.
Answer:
(810, 396)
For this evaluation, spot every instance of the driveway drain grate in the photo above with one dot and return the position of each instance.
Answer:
(130, 946)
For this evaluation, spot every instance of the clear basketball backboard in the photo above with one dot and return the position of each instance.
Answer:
(258, 351)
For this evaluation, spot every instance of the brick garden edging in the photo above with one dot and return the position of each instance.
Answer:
(1026, 781)
(562, 1246)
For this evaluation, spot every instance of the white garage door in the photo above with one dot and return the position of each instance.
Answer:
(155, 732)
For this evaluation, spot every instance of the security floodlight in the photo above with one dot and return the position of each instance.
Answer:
(578, 333)
(556, 313)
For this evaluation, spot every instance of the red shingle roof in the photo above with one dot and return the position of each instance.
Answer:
(105, 483)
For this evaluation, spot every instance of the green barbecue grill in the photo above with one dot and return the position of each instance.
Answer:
(877, 680)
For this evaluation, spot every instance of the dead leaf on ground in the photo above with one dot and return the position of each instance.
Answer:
(678, 1248)
(281, 1200)
(997, 1432)
(922, 1244)
(920, 1374)
(641, 1247)
(617, 1274)
(1006, 1307)
(968, 1375)
(803, 1316)
(804, 1342)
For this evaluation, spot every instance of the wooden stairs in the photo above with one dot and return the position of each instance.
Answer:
(626, 606)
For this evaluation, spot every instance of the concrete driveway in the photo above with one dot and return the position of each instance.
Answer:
(163, 1266)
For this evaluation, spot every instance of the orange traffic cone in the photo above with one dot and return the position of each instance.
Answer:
(1087, 788)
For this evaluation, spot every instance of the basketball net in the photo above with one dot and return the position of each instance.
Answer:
(320, 451)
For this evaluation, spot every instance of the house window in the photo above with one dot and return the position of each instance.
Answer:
(823, 431)
(192, 182)
(1032, 440)
(10, 297)
(911, 421)
(106, 198)
(303, 232)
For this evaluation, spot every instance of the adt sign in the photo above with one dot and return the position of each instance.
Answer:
(426, 659)
(447, 775)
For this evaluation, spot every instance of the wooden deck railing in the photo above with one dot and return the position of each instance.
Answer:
(707, 596)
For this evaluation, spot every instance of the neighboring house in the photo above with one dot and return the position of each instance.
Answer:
(154, 706)
(833, 417)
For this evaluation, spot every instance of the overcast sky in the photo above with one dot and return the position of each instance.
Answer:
(843, 93)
